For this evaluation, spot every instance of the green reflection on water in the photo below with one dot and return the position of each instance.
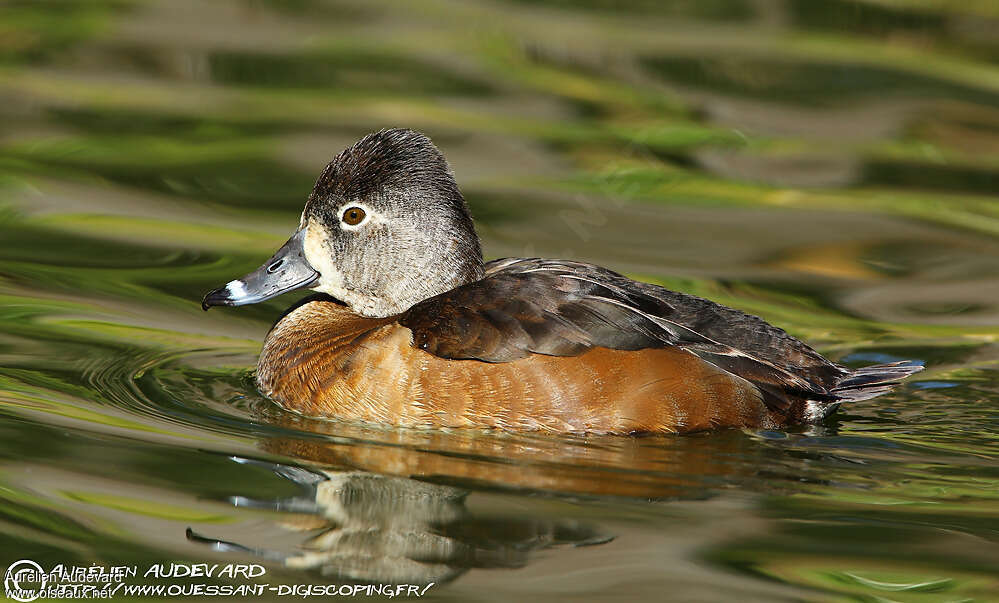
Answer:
(830, 166)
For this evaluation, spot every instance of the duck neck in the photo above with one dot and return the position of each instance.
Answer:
(414, 286)
(384, 282)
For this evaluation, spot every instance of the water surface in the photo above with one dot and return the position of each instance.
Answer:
(831, 166)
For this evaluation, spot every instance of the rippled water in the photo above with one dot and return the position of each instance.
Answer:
(831, 166)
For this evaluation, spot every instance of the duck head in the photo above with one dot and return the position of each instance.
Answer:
(384, 228)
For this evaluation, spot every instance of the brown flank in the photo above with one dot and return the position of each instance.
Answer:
(321, 360)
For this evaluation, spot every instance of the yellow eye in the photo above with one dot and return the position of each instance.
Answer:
(353, 216)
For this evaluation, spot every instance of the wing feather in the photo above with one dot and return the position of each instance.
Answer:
(559, 308)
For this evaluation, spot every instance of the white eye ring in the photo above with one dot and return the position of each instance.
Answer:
(350, 212)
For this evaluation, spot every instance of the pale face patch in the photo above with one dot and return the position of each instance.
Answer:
(317, 252)
(363, 298)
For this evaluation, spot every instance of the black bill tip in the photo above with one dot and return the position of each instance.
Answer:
(287, 270)
(216, 297)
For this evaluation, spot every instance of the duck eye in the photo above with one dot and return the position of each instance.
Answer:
(353, 216)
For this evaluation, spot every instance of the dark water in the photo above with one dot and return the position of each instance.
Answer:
(831, 166)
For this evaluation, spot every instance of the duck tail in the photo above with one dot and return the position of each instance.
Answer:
(862, 384)
(871, 381)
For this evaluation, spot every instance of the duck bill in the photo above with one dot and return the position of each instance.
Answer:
(287, 270)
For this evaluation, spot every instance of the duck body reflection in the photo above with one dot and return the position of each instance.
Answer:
(363, 527)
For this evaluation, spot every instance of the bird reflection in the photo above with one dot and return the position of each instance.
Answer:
(657, 467)
(370, 528)
(379, 505)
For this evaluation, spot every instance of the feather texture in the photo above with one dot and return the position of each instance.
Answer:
(560, 308)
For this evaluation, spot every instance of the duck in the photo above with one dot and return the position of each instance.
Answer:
(409, 327)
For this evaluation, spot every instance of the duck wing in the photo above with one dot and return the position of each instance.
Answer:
(561, 308)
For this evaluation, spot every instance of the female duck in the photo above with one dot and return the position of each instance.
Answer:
(415, 330)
